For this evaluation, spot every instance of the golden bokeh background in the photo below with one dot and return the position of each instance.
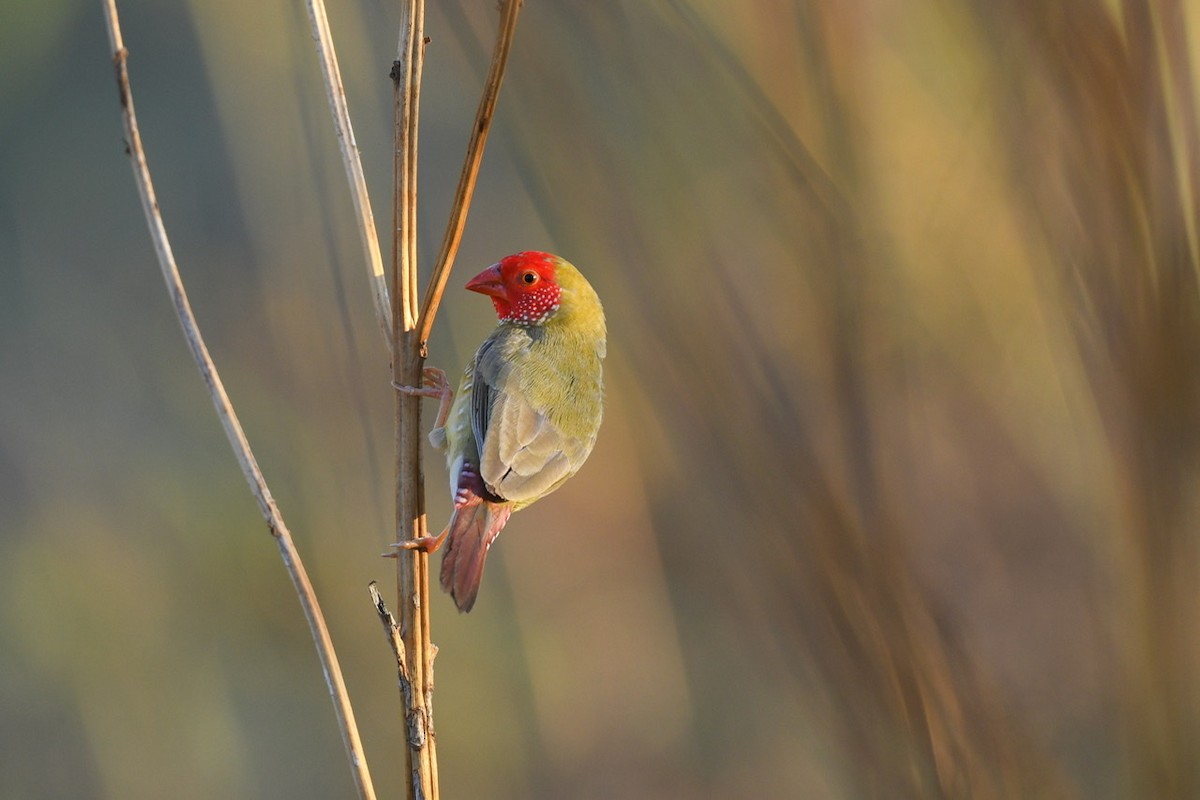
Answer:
(896, 495)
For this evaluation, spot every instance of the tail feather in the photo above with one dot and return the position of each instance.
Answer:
(471, 532)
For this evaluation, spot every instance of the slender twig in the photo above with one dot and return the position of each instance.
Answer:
(470, 171)
(229, 420)
(350, 159)
(407, 102)
(406, 85)
(412, 567)
(410, 332)
(414, 723)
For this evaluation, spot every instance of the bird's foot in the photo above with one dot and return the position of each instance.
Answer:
(433, 384)
(424, 544)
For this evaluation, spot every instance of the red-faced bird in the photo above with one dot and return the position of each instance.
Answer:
(527, 411)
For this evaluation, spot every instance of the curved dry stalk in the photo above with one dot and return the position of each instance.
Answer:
(229, 419)
(470, 171)
(336, 94)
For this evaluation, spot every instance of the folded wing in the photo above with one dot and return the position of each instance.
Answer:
(523, 455)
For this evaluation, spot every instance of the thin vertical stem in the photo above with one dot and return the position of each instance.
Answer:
(336, 94)
(407, 364)
(229, 419)
(414, 103)
(412, 322)
(470, 169)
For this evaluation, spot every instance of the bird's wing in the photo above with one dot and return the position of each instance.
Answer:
(488, 372)
(525, 455)
(522, 454)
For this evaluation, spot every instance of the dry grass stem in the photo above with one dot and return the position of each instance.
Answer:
(470, 170)
(415, 721)
(411, 50)
(410, 333)
(336, 93)
(412, 567)
(229, 419)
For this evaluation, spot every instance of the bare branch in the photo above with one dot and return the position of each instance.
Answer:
(406, 83)
(415, 719)
(412, 567)
(229, 420)
(410, 332)
(336, 94)
(470, 171)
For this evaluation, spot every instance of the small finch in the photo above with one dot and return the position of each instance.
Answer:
(527, 411)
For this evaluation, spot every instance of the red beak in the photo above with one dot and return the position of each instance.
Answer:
(489, 282)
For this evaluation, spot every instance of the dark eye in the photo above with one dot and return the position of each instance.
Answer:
(530, 278)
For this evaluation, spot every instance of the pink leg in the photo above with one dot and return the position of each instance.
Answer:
(425, 543)
(433, 384)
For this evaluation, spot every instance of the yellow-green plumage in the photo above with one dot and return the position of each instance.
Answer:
(528, 409)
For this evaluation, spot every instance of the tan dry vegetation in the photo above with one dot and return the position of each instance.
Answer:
(896, 496)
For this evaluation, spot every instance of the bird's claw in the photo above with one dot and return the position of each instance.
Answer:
(423, 544)
(416, 391)
(433, 384)
(435, 377)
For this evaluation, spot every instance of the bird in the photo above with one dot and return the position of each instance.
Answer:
(527, 412)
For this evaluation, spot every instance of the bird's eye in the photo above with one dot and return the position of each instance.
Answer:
(530, 278)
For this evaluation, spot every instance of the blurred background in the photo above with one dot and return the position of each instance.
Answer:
(896, 495)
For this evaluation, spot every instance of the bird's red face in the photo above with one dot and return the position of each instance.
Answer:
(522, 287)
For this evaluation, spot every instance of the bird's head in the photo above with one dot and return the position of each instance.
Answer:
(524, 287)
(535, 290)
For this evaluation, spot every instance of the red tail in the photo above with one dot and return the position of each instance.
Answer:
(472, 530)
